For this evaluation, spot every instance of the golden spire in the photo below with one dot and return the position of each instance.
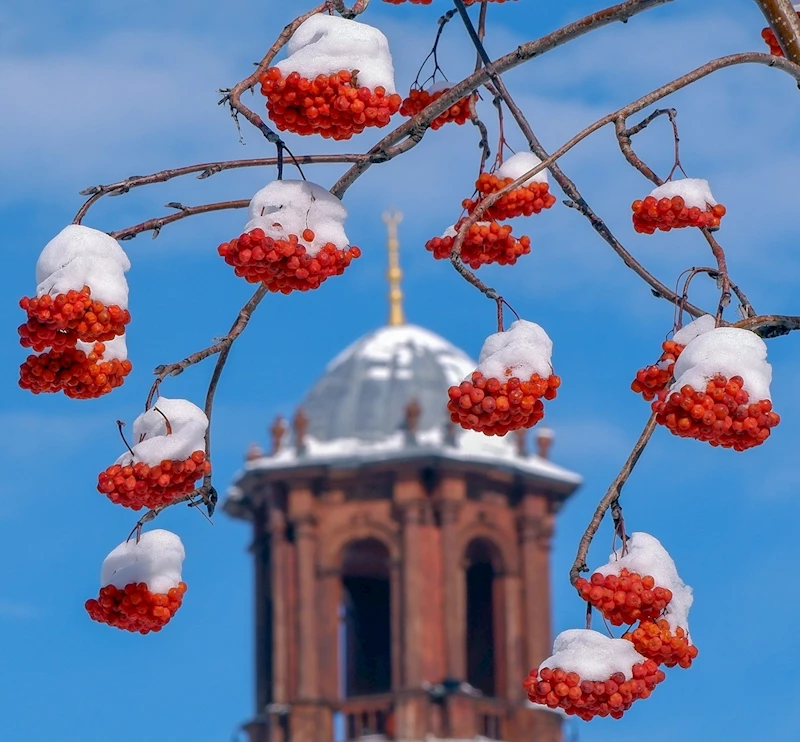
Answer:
(396, 316)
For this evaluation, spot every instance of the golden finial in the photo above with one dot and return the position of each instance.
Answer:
(396, 316)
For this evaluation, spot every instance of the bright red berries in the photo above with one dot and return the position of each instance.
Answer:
(80, 375)
(624, 598)
(523, 201)
(135, 608)
(651, 380)
(722, 415)
(495, 407)
(333, 106)
(284, 266)
(664, 214)
(418, 100)
(555, 688)
(60, 321)
(485, 243)
(658, 642)
(138, 485)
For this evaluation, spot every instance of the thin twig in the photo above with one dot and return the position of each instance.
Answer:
(155, 225)
(783, 20)
(611, 496)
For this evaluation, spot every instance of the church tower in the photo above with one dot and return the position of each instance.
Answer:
(401, 563)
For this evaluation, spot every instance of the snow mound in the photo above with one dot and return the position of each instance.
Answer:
(286, 207)
(116, 349)
(79, 256)
(438, 87)
(689, 332)
(523, 350)
(326, 44)
(154, 445)
(594, 656)
(156, 560)
(516, 166)
(729, 351)
(645, 555)
(694, 191)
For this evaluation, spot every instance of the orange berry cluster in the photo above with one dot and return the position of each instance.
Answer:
(330, 105)
(284, 266)
(417, 100)
(624, 598)
(651, 380)
(651, 214)
(494, 407)
(556, 688)
(140, 486)
(768, 36)
(78, 374)
(73, 312)
(485, 243)
(135, 608)
(523, 201)
(656, 641)
(720, 416)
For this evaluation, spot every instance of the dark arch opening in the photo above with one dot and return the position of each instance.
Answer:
(365, 639)
(481, 573)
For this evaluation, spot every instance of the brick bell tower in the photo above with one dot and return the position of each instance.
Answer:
(401, 563)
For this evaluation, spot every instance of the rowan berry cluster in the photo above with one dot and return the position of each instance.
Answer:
(555, 688)
(484, 243)
(78, 374)
(495, 407)
(651, 214)
(722, 415)
(135, 608)
(624, 598)
(138, 485)
(523, 201)
(333, 106)
(658, 642)
(651, 380)
(772, 42)
(284, 266)
(417, 100)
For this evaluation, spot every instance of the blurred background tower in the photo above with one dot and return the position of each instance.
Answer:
(401, 563)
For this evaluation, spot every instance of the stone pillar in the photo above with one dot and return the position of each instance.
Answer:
(515, 640)
(329, 598)
(306, 542)
(453, 491)
(280, 657)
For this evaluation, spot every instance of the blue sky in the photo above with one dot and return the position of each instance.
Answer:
(97, 91)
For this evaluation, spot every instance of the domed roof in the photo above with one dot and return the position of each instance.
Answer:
(365, 390)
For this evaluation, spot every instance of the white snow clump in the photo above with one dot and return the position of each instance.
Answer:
(689, 332)
(522, 351)
(729, 351)
(286, 207)
(156, 560)
(326, 44)
(594, 656)
(79, 256)
(438, 87)
(694, 192)
(116, 349)
(154, 444)
(645, 555)
(516, 166)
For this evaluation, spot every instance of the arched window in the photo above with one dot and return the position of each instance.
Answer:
(365, 642)
(482, 560)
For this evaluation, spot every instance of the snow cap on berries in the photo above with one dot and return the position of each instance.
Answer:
(694, 192)
(79, 256)
(594, 656)
(326, 44)
(516, 166)
(156, 560)
(729, 351)
(187, 422)
(697, 327)
(115, 349)
(438, 87)
(286, 207)
(645, 555)
(522, 351)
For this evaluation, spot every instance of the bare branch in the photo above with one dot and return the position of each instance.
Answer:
(770, 325)
(782, 19)
(155, 225)
(358, 7)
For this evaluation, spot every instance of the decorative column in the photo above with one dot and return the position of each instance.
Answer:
(453, 492)
(280, 660)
